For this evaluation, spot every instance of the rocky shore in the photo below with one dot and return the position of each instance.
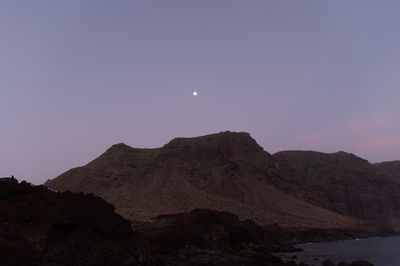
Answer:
(206, 237)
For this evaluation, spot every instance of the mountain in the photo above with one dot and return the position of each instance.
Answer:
(341, 182)
(226, 171)
(391, 170)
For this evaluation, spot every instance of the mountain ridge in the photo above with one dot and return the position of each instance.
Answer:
(226, 171)
(341, 182)
(390, 169)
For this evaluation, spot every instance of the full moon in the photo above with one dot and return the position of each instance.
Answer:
(195, 93)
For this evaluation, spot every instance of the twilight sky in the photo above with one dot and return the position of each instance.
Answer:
(78, 76)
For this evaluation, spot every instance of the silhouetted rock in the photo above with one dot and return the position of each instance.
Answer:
(361, 263)
(343, 263)
(328, 262)
(41, 227)
(205, 237)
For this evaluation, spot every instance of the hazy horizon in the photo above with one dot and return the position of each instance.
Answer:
(80, 76)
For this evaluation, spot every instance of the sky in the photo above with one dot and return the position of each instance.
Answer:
(79, 76)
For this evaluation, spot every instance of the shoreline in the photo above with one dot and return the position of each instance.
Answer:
(367, 249)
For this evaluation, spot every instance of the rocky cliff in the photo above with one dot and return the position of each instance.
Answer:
(391, 170)
(341, 182)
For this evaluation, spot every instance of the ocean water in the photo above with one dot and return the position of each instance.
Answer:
(381, 251)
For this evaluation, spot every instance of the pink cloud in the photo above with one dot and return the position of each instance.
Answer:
(356, 124)
(353, 126)
(315, 137)
(384, 143)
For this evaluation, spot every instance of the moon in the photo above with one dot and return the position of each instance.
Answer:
(195, 93)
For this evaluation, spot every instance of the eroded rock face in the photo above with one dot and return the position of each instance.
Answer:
(39, 227)
(391, 170)
(341, 182)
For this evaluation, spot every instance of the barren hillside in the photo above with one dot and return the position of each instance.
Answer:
(225, 171)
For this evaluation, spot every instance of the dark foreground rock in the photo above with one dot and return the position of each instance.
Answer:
(205, 237)
(361, 263)
(328, 262)
(41, 227)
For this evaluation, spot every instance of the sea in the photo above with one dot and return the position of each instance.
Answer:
(381, 251)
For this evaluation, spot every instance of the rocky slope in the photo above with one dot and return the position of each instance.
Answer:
(41, 227)
(390, 170)
(226, 171)
(341, 182)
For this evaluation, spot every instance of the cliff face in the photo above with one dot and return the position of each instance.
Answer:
(40, 227)
(340, 182)
(391, 170)
(226, 171)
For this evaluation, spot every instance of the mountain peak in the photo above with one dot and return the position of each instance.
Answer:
(226, 137)
(119, 146)
(225, 144)
(215, 136)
